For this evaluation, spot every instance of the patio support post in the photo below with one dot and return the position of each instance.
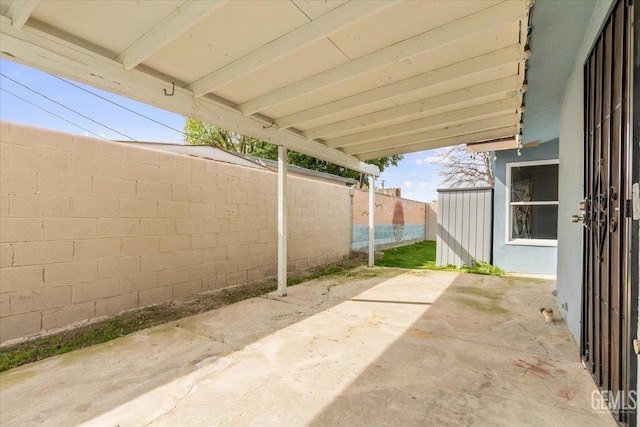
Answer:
(282, 221)
(372, 220)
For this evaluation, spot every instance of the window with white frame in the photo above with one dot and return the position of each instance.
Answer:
(532, 203)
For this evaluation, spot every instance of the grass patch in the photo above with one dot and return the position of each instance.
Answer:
(422, 256)
(483, 267)
(132, 321)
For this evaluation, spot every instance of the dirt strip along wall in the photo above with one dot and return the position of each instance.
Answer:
(91, 228)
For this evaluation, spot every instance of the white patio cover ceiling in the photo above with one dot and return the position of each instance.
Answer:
(341, 81)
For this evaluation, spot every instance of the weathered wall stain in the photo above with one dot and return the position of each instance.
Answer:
(398, 220)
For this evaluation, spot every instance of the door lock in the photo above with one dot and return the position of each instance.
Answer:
(583, 205)
(577, 218)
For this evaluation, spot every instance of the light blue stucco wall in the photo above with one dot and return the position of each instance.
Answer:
(510, 257)
(570, 177)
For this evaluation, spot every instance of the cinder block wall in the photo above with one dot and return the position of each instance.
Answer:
(398, 221)
(432, 221)
(90, 228)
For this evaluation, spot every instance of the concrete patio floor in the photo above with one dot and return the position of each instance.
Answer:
(372, 347)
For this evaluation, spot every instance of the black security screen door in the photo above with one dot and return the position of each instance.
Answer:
(609, 304)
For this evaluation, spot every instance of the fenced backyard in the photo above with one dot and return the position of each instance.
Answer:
(92, 228)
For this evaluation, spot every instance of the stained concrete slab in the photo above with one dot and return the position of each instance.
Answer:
(372, 347)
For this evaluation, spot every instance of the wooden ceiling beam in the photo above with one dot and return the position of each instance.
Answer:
(505, 132)
(459, 70)
(445, 120)
(451, 131)
(462, 98)
(331, 22)
(20, 11)
(480, 21)
(177, 23)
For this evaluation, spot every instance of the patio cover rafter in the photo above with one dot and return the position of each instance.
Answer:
(460, 98)
(466, 68)
(463, 129)
(183, 18)
(446, 34)
(445, 120)
(20, 11)
(337, 19)
(500, 133)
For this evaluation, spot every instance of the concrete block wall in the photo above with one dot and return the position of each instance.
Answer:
(398, 221)
(90, 228)
(432, 221)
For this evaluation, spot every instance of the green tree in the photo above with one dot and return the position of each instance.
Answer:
(197, 132)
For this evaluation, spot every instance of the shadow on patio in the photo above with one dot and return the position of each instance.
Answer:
(377, 347)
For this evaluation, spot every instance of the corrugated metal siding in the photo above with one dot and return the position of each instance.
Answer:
(464, 226)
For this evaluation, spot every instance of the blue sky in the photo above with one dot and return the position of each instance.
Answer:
(417, 177)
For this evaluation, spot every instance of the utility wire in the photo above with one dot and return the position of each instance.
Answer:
(201, 140)
(250, 158)
(111, 102)
(64, 106)
(53, 114)
(118, 105)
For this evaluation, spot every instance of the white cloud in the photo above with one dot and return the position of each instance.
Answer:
(423, 191)
(436, 156)
(407, 184)
(419, 162)
(432, 159)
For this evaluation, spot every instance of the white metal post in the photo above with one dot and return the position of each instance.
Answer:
(282, 220)
(372, 219)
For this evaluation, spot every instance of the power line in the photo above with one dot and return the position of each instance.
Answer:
(64, 106)
(118, 105)
(104, 99)
(130, 110)
(53, 114)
